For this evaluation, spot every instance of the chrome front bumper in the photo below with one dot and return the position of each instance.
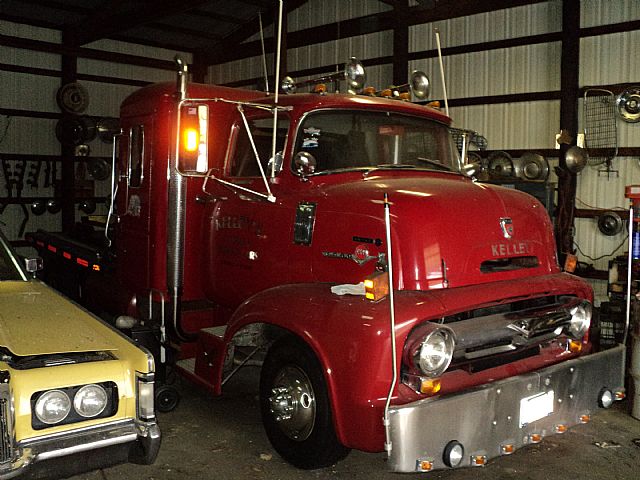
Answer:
(486, 418)
(143, 437)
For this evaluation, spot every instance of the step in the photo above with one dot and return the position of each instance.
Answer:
(218, 331)
(187, 364)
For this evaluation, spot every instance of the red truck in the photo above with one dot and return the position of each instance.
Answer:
(393, 302)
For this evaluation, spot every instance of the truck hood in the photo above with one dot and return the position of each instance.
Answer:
(35, 320)
(447, 231)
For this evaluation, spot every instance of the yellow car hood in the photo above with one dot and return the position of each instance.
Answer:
(36, 320)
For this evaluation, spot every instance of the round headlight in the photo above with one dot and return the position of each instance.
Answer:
(580, 320)
(435, 353)
(53, 407)
(90, 401)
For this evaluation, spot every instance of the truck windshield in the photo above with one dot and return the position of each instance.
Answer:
(340, 140)
(8, 268)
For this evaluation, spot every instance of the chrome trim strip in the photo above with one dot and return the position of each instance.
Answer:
(131, 437)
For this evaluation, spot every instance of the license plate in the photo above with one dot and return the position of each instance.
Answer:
(536, 407)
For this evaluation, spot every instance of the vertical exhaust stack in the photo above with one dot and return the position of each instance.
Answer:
(176, 212)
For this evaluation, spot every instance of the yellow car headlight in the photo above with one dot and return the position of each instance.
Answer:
(53, 407)
(90, 401)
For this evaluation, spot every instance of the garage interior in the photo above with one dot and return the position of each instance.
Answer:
(532, 79)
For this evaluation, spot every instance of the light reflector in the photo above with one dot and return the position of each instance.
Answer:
(424, 465)
(535, 438)
(507, 448)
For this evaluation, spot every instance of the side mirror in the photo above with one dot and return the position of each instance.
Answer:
(277, 160)
(33, 265)
(472, 170)
(305, 163)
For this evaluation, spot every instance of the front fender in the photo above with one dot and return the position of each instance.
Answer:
(350, 337)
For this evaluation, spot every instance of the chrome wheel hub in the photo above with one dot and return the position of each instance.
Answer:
(292, 403)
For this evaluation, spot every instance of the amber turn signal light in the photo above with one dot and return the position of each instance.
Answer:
(376, 286)
(430, 386)
(191, 140)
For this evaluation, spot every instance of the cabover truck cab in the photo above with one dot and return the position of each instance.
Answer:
(459, 338)
(75, 394)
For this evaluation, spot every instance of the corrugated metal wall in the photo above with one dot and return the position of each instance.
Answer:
(606, 60)
(37, 93)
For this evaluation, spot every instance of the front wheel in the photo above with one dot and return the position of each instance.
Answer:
(295, 407)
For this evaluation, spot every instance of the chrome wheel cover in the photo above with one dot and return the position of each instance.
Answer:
(292, 403)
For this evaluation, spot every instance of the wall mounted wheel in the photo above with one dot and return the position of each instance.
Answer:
(167, 398)
(295, 407)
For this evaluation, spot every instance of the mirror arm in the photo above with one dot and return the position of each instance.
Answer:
(270, 197)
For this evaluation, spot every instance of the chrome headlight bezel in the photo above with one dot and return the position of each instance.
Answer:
(429, 350)
(580, 322)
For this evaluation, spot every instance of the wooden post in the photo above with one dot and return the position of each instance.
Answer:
(66, 188)
(401, 42)
(570, 93)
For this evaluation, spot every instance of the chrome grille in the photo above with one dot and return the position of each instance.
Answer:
(5, 432)
(503, 337)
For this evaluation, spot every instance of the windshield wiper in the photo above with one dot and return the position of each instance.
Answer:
(434, 163)
(388, 166)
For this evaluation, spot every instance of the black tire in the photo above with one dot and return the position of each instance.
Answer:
(307, 439)
(167, 399)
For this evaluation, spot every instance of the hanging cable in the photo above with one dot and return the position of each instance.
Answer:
(601, 256)
(6, 128)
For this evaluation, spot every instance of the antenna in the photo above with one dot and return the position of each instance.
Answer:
(275, 100)
(264, 55)
(444, 83)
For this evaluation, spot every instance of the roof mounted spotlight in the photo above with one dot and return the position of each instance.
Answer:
(353, 73)
(420, 84)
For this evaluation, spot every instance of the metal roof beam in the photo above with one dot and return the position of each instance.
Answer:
(231, 42)
(114, 19)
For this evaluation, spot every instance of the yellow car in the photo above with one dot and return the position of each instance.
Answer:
(75, 394)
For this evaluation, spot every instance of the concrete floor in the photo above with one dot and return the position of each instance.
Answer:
(207, 438)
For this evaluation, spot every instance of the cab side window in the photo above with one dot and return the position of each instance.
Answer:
(136, 155)
(243, 160)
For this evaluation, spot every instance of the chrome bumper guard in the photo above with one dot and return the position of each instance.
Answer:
(487, 419)
(144, 436)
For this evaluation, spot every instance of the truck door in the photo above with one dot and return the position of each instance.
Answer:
(247, 230)
(133, 204)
